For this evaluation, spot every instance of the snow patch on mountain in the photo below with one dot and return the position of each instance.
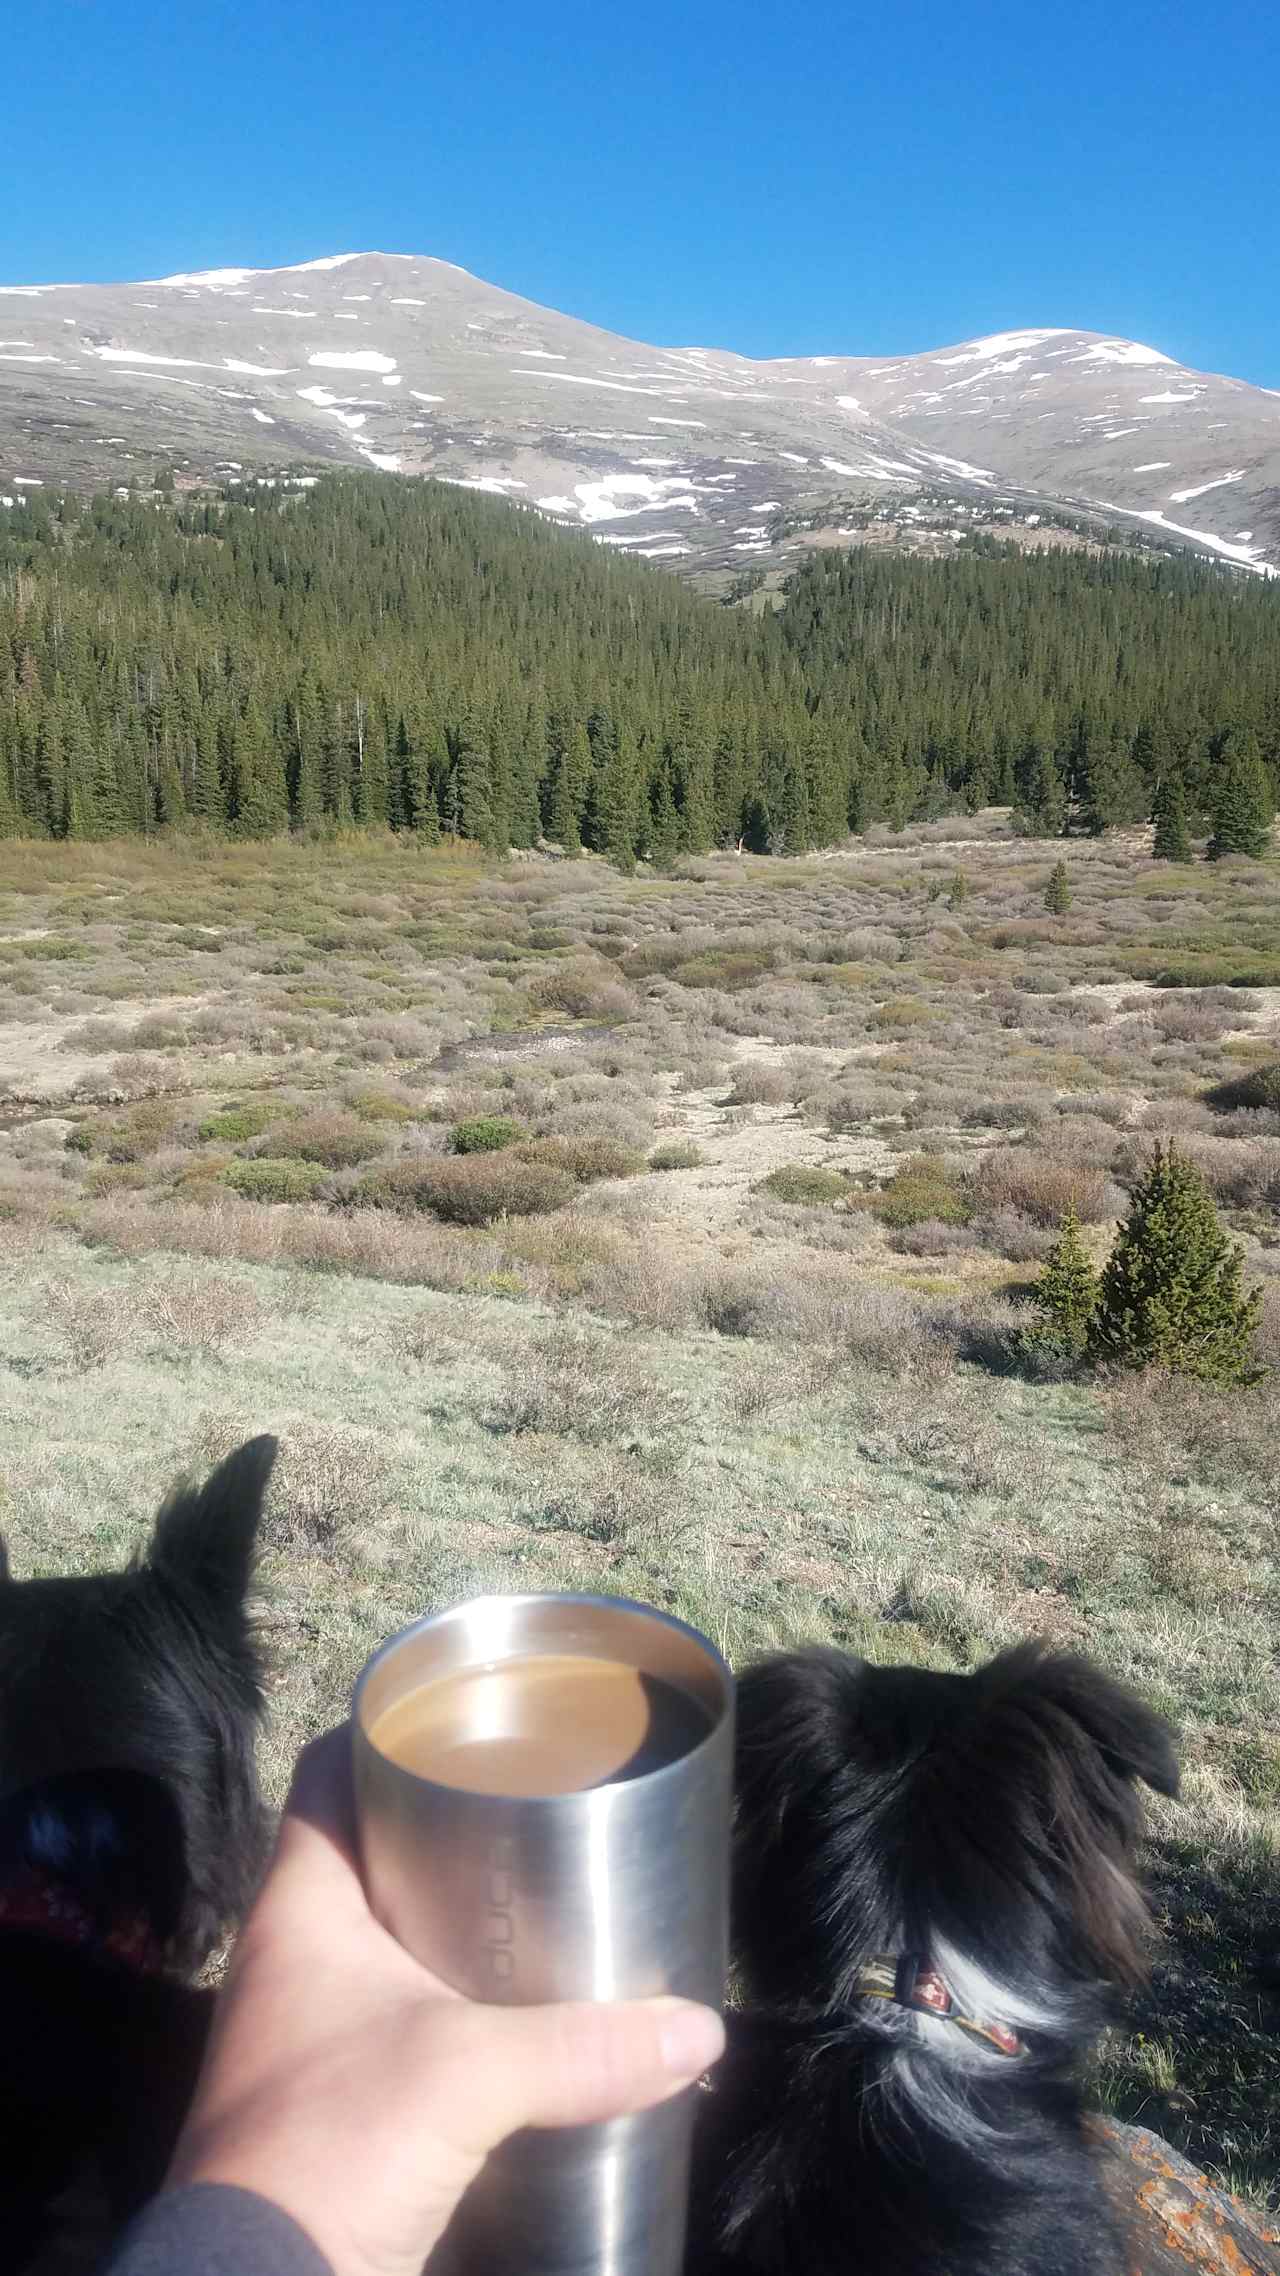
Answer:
(350, 359)
(1181, 497)
(1246, 555)
(1121, 352)
(998, 344)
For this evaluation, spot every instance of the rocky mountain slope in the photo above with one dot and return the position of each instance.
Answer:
(696, 457)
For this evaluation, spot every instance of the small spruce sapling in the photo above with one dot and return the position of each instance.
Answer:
(1057, 893)
(1171, 1292)
(1065, 1297)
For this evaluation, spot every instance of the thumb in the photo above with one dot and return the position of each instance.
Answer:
(580, 2061)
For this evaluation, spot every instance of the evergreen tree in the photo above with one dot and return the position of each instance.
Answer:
(1171, 1292)
(1066, 1296)
(257, 772)
(1114, 791)
(207, 801)
(1041, 807)
(1243, 802)
(958, 892)
(617, 811)
(1057, 893)
(662, 839)
(475, 802)
(1172, 841)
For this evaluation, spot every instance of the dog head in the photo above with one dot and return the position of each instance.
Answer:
(983, 1824)
(128, 1709)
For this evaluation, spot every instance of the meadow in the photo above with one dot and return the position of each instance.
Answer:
(671, 1235)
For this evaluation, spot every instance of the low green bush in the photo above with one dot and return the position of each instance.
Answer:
(805, 1186)
(728, 968)
(339, 1141)
(922, 1189)
(379, 1106)
(275, 1180)
(470, 1189)
(585, 1159)
(232, 1125)
(485, 1134)
(127, 1137)
(677, 1157)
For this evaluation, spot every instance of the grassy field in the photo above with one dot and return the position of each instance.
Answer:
(726, 1324)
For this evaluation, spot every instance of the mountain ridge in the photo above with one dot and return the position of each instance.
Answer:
(703, 459)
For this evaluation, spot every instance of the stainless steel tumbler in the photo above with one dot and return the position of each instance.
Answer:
(616, 1892)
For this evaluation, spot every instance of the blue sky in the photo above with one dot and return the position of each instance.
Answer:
(821, 178)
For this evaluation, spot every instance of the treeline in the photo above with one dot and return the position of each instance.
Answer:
(371, 651)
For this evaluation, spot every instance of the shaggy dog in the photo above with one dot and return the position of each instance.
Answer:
(934, 1908)
(131, 1834)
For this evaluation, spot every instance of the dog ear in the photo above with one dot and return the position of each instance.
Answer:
(205, 1537)
(1133, 1740)
(5, 1574)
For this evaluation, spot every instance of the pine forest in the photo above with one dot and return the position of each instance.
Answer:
(368, 651)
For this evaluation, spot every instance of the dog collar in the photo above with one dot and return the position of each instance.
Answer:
(907, 1979)
(39, 1904)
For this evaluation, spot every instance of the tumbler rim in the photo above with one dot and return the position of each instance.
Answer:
(587, 1599)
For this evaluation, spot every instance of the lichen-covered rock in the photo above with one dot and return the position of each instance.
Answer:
(1177, 2220)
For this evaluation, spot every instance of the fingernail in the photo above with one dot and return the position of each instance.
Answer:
(692, 2038)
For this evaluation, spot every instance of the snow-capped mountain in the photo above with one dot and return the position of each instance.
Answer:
(696, 457)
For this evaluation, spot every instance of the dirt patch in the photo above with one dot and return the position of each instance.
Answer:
(521, 1044)
(742, 1145)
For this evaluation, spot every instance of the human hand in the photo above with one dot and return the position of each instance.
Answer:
(357, 2091)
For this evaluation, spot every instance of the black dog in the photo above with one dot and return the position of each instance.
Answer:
(934, 1908)
(131, 1834)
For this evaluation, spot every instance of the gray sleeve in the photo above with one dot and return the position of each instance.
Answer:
(211, 2230)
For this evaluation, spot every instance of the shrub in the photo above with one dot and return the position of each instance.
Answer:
(469, 1189)
(129, 1137)
(1009, 1233)
(269, 1180)
(677, 1156)
(584, 991)
(730, 968)
(1191, 1021)
(761, 1085)
(1171, 1293)
(585, 1159)
(200, 1311)
(233, 1125)
(921, 1189)
(339, 1141)
(1259, 1088)
(485, 1134)
(931, 1239)
(904, 1011)
(575, 1386)
(380, 1106)
(92, 1325)
(807, 1187)
(1021, 1177)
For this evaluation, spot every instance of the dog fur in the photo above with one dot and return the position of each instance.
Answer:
(987, 1822)
(129, 1705)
